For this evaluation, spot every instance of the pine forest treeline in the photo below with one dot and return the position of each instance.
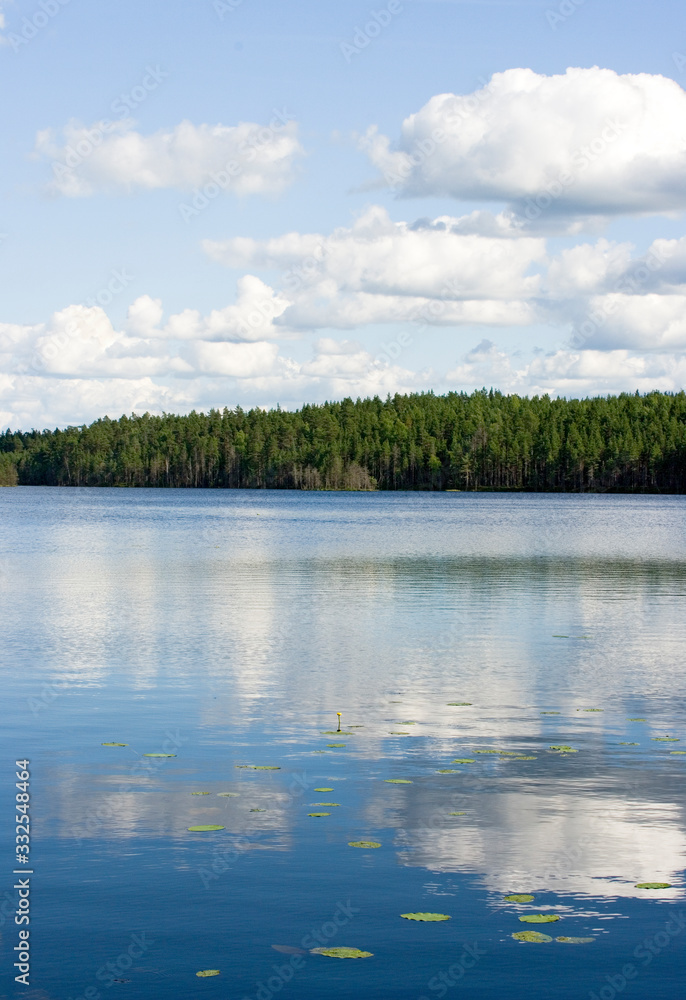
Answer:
(482, 441)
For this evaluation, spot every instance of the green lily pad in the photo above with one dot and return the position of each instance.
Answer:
(228, 795)
(653, 885)
(533, 937)
(335, 732)
(463, 760)
(342, 952)
(200, 793)
(335, 744)
(329, 805)
(524, 758)
(459, 703)
(257, 767)
(397, 781)
(159, 755)
(319, 814)
(539, 918)
(549, 713)
(447, 770)
(323, 789)
(208, 972)
(676, 753)
(258, 810)
(563, 748)
(575, 940)
(665, 739)
(628, 744)
(636, 720)
(363, 843)
(114, 744)
(508, 753)
(592, 709)
(458, 814)
(485, 751)
(560, 637)
(204, 829)
(408, 723)
(396, 733)
(520, 897)
(427, 917)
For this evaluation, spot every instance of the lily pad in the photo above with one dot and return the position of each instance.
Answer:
(653, 885)
(592, 710)
(539, 918)
(323, 789)
(520, 897)
(508, 753)
(628, 744)
(676, 753)
(427, 917)
(464, 760)
(397, 781)
(575, 940)
(228, 795)
(458, 814)
(264, 767)
(459, 703)
(549, 713)
(665, 739)
(335, 732)
(396, 733)
(342, 953)
(524, 758)
(485, 751)
(205, 829)
(200, 793)
(335, 744)
(329, 805)
(159, 755)
(208, 972)
(363, 843)
(533, 937)
(636, 720)
(114, 745)
(258, 810)
(319, 814)
(563, 748)
(448, 770)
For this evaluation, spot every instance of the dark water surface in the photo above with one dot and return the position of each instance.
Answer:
(228, 628)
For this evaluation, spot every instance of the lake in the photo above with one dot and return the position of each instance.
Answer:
(228, 629)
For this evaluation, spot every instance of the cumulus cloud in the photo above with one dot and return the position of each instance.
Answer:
(379, 271)
(570, 373)
(588, 142)
(251, 318)
(115, 158)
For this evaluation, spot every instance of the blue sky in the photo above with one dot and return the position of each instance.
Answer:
(371, 236)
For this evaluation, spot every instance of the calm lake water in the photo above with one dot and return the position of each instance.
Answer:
(229, 628)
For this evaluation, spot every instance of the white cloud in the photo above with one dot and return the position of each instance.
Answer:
(250, 319)
(589, 142)
(237, 360)
(113, 157)
(379, 271)
(647, 322)
(568, 373)
(35, 402)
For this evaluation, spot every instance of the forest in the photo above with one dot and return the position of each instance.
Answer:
(479, 441)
